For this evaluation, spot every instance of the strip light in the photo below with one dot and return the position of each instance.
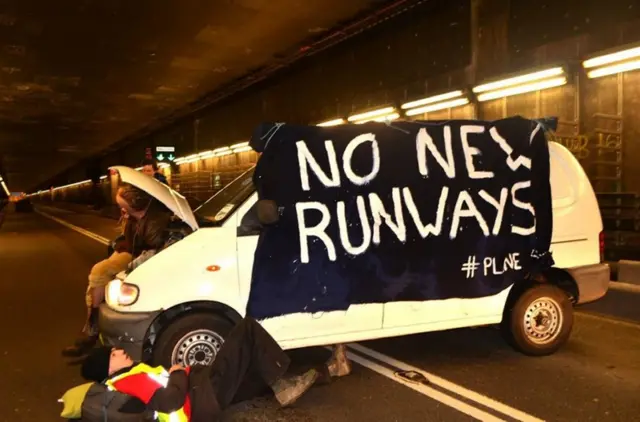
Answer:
(70, 185)
(619, 56)
(440, 106)
(379, 115)
(611, 64)
(240, 145)
(431, 100)
(519, 80)
(241, 149)
(218, 152)
(4, 186)
(612, 70)
(535, 86)
(435, 102)
(334, 122)
(381, 119)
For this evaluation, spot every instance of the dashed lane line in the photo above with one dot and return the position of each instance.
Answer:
(75, 228)
(458, 390)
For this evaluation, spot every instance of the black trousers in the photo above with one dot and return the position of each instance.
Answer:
(249, 360)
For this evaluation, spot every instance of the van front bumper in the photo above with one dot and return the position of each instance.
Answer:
(592, 281)
(125, 330)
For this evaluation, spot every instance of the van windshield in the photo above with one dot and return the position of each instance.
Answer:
(224, 203)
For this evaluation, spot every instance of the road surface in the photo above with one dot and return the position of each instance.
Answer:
(474, 375)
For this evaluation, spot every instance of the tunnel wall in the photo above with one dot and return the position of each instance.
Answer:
(438, 46)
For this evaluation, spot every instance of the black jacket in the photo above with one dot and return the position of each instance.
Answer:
(150, 233)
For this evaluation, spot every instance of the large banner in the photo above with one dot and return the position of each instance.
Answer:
(408, 211)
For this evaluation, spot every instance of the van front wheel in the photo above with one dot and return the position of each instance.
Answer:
(191, 340)
(540, 321)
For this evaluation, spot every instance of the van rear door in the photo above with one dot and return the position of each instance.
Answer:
(576, 217)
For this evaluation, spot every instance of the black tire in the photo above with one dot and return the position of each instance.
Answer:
(552, 306)
(191, 339)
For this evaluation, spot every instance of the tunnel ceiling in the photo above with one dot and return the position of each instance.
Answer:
(79, 75)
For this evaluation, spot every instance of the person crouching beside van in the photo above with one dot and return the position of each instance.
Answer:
(200, 393)
(145, 233)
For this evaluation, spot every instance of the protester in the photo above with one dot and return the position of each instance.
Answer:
(145, 224)
(201, 393)
(150, 168)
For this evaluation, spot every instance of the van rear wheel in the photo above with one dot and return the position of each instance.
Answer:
(540, 321)
(191, 340)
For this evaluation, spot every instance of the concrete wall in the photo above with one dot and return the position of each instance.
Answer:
(438, 45)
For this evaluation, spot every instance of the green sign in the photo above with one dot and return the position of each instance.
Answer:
(161, 157)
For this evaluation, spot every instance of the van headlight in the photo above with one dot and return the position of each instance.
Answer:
(120, 293)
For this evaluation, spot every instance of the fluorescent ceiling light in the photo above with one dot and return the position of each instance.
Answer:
(371, 115)
(334, 122)
(440, 106)
(521, 89)
(432, 99)
(72, 184)
(387, 118)
(519, 80)
(613, 69)
(381, 119)
(612, 58)
(242, 149)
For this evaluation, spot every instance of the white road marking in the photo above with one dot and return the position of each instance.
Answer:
(80, 230)
(426, 390)
(430, 392)
(602, 318)
(448, 385)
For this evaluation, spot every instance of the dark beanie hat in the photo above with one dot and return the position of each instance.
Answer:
(96, 365)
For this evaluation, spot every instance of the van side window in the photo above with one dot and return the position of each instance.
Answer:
(249, 225)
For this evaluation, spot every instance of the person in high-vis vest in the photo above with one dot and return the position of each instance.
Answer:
(201, 393)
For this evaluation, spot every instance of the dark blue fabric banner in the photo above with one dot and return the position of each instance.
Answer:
(377, 213)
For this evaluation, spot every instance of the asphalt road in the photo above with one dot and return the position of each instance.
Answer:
(473, 374)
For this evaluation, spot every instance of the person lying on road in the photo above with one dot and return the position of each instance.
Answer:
(201, 393)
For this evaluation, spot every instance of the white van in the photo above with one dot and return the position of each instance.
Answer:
(178, 306)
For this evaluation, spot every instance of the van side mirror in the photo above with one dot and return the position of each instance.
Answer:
(267, 212)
